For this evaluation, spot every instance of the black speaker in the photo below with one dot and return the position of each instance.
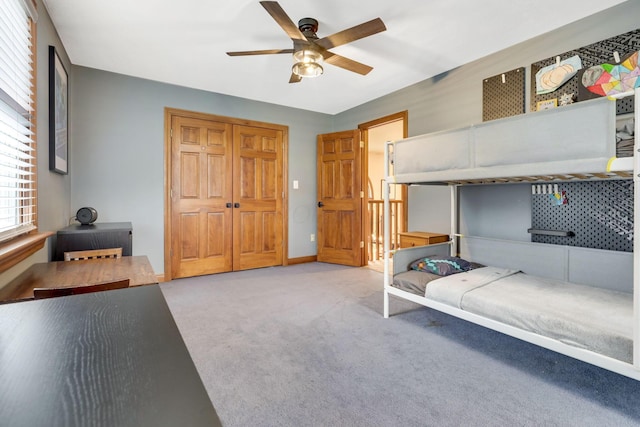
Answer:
(86, 216)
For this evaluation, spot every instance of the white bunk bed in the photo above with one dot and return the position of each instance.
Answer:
(575, 142)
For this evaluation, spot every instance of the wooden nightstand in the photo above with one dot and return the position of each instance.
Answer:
(410, 239)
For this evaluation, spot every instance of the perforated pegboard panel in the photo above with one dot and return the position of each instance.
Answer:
(503, 95)
(594, 54)
(600, 213)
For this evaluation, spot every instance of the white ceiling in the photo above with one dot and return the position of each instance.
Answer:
(184, 42)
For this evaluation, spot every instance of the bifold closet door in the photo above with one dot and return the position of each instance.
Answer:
(201, 196)
(257, 197)
(227, 190)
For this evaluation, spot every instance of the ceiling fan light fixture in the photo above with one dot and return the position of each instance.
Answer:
(309, 50)
(307, 69)
(308, 63)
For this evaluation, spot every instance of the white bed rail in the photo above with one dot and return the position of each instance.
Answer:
(600, 268)
(577, 141)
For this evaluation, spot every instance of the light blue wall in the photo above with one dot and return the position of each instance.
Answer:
(117, 161)
(454, 99)
(116, 137)
(54, 190)
(117, 126)
(430, 208)
(498, 211)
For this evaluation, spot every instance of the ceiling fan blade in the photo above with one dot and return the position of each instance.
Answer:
(351, 34)
(283, 20)
(260, 52)
(294, 78)
(346, 63)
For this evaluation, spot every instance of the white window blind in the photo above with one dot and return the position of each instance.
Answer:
(17, 142)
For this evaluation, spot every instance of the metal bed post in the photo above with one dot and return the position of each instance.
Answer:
(386, 228)
(636, 232)
(454, 220)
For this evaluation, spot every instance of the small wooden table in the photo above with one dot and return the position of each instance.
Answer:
(77, 273)
(409, 239)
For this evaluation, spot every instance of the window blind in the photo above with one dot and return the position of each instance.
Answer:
(17, 117)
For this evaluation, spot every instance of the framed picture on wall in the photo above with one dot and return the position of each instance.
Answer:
(58, 114)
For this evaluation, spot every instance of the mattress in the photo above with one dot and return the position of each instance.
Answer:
(414, 281)
(595, 319)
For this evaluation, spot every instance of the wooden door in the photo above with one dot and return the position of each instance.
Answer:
(340, 198)
(201, 196)
(258, 197)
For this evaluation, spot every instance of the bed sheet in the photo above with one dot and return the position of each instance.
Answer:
(596, 319)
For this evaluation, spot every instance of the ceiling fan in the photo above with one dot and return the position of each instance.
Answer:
(309, 51)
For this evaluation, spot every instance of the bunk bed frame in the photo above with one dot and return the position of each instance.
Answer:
(472, 159)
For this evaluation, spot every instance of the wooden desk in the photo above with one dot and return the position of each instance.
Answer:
(77, 273)
(112, 358)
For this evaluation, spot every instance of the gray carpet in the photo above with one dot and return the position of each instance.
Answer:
(307, 345)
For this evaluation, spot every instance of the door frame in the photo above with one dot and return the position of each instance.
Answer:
(364, 134)
(168, 115)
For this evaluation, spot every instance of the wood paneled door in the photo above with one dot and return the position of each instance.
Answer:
(340, 198)
(201, 188)
(225, 207)
(257, 195)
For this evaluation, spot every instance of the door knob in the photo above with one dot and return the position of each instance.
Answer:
(236, 205)
(320, 204)
(229, 205)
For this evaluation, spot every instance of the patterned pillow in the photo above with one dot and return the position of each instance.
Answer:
(441, 265)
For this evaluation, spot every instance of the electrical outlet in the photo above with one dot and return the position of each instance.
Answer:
(313, 237)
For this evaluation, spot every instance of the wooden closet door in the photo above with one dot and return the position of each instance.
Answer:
(201, 188)
(257, 196)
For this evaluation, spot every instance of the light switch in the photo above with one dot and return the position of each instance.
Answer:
(295, 184)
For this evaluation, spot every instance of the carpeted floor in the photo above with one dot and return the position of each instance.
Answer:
(307, 345)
